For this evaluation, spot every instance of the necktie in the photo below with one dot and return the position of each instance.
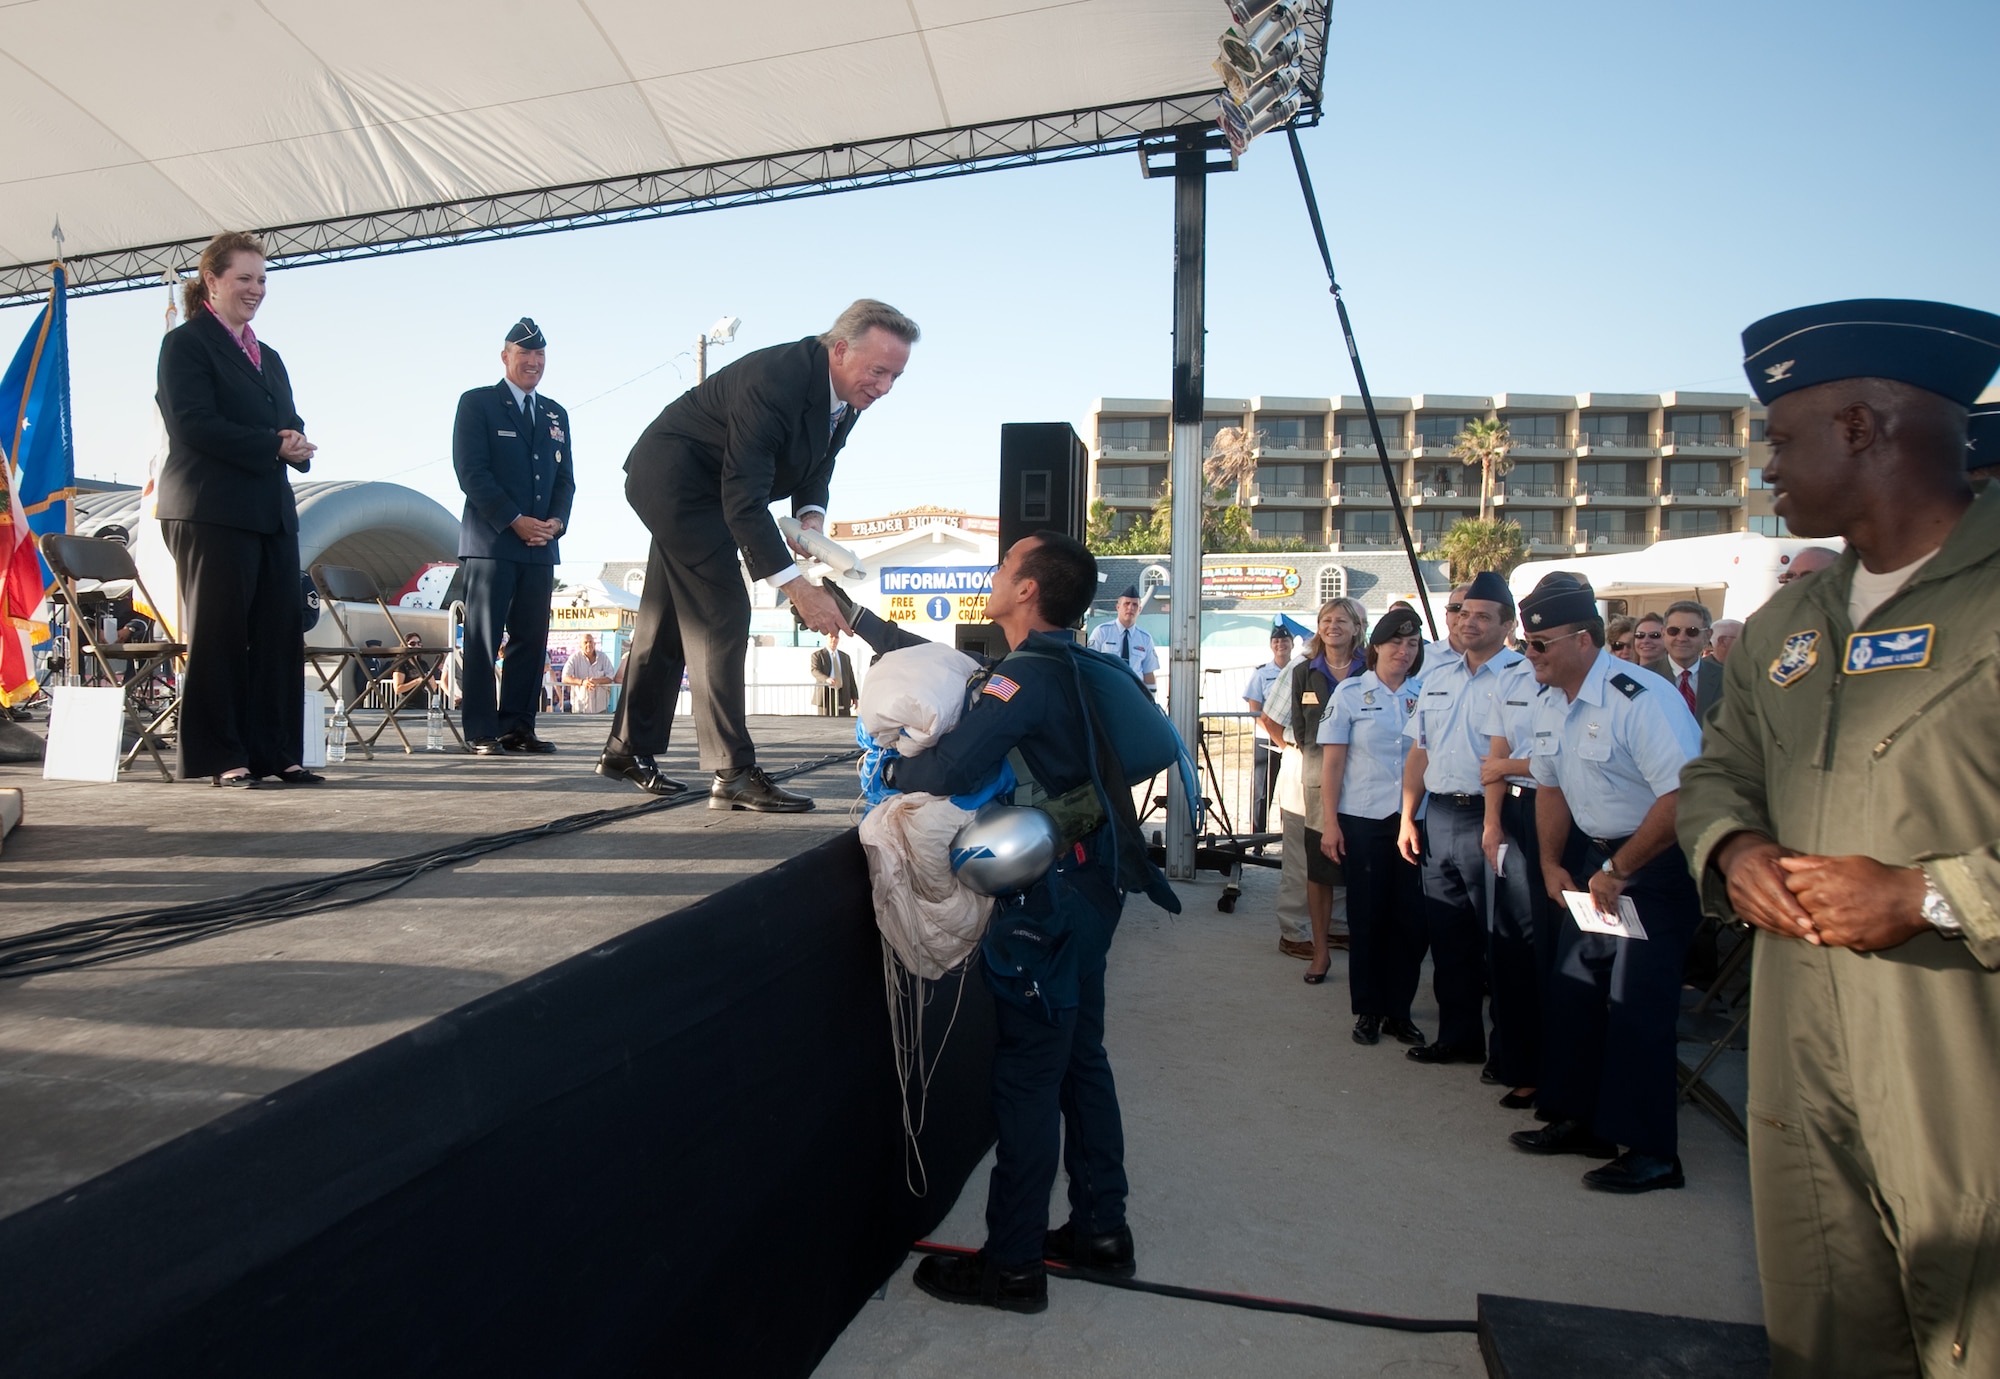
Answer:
(528, 409)
(1125, 646)
(1687, 690)
(833, 424)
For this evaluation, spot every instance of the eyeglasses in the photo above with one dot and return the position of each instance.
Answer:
(1647, 636)
(1625, 645)
(1540, 645)
(1454, 608)
(1685, 631)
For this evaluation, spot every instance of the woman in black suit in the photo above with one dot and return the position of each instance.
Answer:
(227, 514)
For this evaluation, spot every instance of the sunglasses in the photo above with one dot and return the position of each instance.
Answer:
(1684, 631)
(1625, 645)
(1454, 608)
(1647, 636)
(1540, 645)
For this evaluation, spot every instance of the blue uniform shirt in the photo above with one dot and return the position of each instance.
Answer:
(1512, 717)
(1369, 717)
(1136, 650)
(1258, 691)
(1450, 721)
(1617, 748)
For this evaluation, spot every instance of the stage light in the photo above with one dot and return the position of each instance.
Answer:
(723, 331)
(1261, 70)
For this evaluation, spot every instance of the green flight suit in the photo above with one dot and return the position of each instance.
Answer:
(1874, 1078)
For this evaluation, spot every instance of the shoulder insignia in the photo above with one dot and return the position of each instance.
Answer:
(1627, 686)
(1799, 656)
(1001, 688)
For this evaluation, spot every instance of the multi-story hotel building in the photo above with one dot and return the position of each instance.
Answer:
(1593, 473)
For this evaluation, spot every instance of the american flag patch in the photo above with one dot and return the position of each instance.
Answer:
(1001, 688)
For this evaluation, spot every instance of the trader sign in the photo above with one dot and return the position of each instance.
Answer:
(1249, 581)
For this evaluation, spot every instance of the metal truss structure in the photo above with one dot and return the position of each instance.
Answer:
(1054, 138)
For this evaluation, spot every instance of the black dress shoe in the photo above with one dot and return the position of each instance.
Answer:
(246, 781)
(526, 742)
(642, 771)
(975, 1279)
(751, 789)
(1440, 1053)
(298, 775)
(1403, 1031)
(1563, 1137)
(1636, 1172)
(486, 747)
(1518, 1101)
(1488, 1076)
(1367, 1029)
(1108, 1252)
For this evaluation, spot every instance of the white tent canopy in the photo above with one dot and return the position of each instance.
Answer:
(148, 125)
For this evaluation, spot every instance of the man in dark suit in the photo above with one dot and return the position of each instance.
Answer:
(511, 449)
(1698, 678)
(833, 673)
(702, 477)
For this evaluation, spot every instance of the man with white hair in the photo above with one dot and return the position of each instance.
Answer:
(1723, 636)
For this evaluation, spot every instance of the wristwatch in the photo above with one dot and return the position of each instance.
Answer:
(1937, 911)
(1610, 870)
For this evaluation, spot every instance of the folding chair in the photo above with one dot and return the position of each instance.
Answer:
(375, 663)
(150, 698)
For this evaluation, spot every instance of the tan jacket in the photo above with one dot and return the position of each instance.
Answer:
(1868, 757)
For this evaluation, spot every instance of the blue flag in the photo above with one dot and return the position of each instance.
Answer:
(35, 434)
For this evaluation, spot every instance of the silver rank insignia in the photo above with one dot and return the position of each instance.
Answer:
(1800, 655)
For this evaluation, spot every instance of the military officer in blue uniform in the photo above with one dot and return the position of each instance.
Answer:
(1609, 742)
(1129, 642)
(1043, 957)
(511, 450)
(1441, 777)
(1264, 773)
(1521, 933)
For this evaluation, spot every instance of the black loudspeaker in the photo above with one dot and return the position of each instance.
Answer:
(1044, 473)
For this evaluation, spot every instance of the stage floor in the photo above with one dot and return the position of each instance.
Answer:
(102, 1064)
(1270, 1154)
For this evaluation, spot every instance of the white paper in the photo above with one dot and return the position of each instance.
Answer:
(1583, 909)
(314, 751)
(1500, 861)
(85, 728)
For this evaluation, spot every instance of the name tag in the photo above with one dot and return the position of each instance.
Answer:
(1309, 697)
(1899, 648)
(508, 434)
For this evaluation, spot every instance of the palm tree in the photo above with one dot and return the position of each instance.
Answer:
(1484, 443)
(1232, 461)
(1471, 546)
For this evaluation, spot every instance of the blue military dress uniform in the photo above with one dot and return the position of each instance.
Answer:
(1614, 1003)
(511, 460)
(1451, 714)
(1521, 921)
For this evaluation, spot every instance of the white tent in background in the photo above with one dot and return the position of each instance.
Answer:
(596, 593)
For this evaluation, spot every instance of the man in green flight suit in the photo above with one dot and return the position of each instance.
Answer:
(1847, 803)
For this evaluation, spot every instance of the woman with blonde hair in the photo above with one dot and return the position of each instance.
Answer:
(227, 514)
(1298, 701)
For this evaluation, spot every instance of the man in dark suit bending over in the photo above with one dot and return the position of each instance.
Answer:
(702, 477)
(511, 449)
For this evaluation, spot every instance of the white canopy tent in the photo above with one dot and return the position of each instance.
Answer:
(375, 126)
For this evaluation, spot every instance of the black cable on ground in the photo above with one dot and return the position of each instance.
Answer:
(1249, 1301)
(89, 942)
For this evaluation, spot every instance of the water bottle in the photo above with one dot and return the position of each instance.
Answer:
(336, 737)
(434, 724)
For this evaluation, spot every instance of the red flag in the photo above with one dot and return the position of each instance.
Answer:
(20, 593)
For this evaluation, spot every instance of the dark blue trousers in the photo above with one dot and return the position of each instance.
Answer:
(1614, 1009)
(1454, 883)
(1052, 1087)
(1520, 947)
(1384, 919)
(507, 596)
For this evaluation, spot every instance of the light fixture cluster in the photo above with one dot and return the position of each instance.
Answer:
(1261, 70)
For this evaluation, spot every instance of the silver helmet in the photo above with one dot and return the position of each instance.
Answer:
(1005, 848)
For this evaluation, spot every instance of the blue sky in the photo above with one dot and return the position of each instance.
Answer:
(1533, 197)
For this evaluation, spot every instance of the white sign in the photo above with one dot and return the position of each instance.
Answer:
(85, 726)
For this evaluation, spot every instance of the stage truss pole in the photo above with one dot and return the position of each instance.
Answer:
(1361, 379)
(1189, 150)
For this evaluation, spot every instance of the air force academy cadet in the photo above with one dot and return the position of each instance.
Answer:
(1609, 743)
(1442, 776)
(1126, 640)
(1847, 803)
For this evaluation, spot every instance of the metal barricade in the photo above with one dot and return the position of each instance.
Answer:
(1227, 760)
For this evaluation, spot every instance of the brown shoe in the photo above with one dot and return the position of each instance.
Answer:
(1296, 948)
(1337, 941)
